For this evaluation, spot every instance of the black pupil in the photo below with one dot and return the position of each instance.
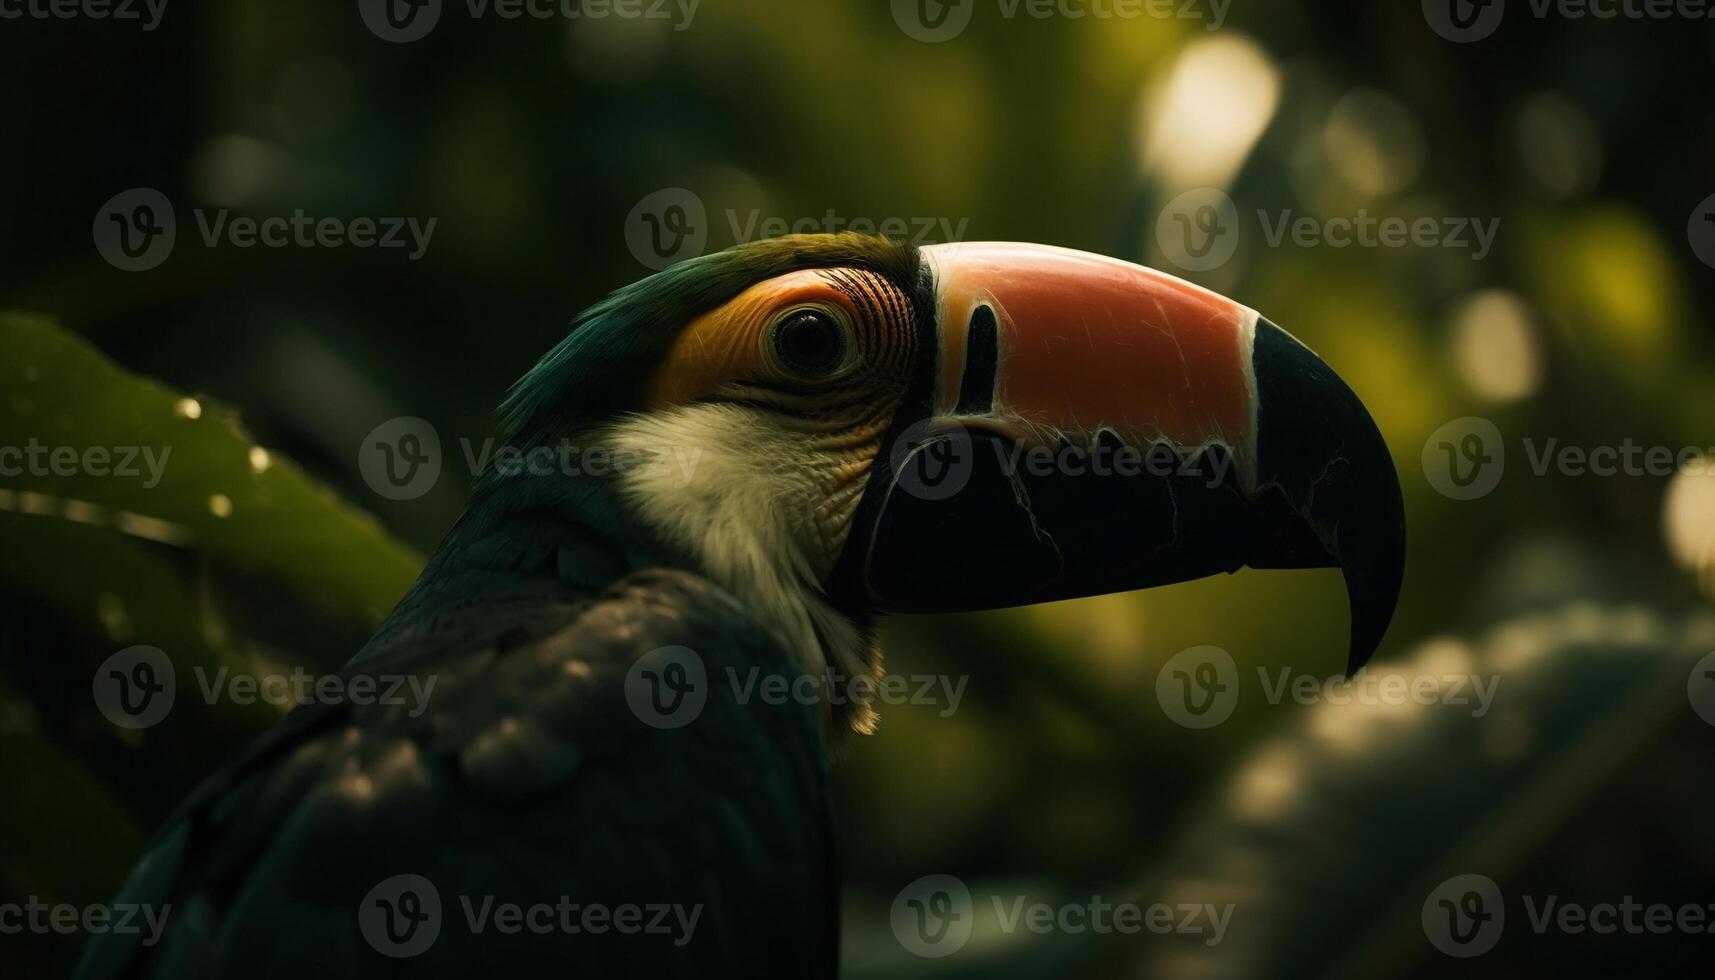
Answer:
(810, 343)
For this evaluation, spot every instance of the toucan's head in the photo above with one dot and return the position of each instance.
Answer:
(839, 426)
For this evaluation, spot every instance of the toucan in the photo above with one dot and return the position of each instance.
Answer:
(729, 469)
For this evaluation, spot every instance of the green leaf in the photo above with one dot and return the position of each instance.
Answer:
(88, 442)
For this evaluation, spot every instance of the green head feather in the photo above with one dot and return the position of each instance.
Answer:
(602, 367)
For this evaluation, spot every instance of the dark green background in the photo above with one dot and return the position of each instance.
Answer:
(530, 142)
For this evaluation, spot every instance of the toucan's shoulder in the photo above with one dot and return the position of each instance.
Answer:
(509, 683)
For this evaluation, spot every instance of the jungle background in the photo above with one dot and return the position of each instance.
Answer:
(540, 146)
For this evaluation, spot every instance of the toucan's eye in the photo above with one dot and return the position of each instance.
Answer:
(810, 343)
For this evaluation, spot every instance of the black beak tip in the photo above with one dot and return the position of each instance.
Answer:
(1370, 544)
(1318, 444)
(1372, 595)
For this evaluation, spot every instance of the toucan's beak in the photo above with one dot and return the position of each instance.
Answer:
(1094, 426)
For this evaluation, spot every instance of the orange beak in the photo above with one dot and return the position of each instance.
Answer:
(1094, 426)
(1047, 342)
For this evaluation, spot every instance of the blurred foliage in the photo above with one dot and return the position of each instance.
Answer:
(102, 551)
(531, 141)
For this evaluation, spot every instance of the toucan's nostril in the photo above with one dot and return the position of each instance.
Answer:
(982, 357)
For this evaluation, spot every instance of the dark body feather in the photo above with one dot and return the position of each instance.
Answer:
(529, 780)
